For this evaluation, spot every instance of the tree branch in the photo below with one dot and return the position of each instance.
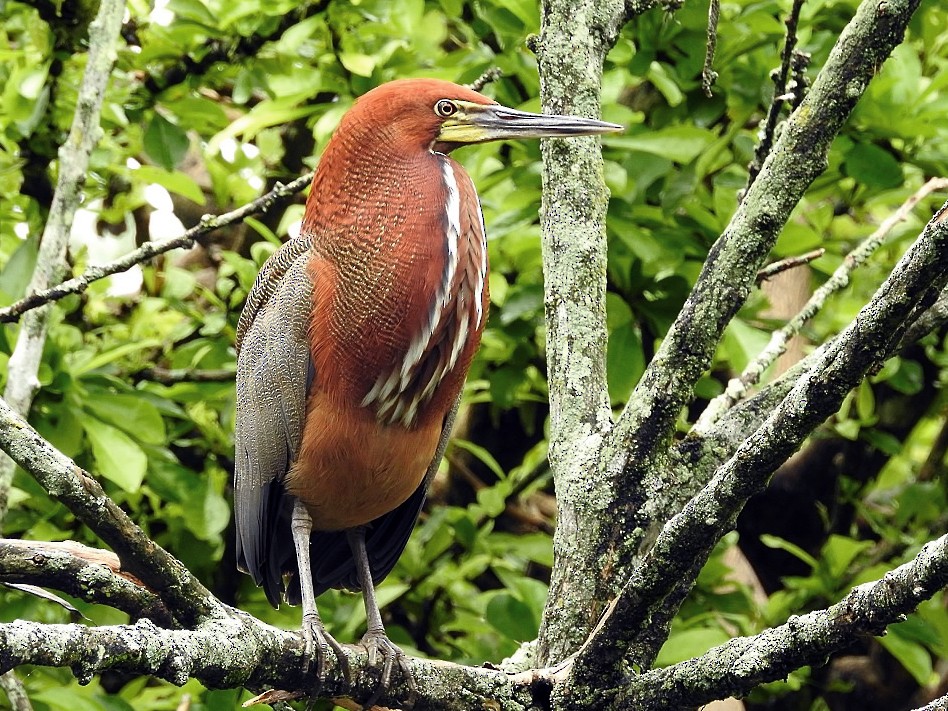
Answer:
(80, 493)
(686, 540)
(571, 48)
(643, 431)
(85, 573)
(782, 82)
(747, 662)
(783, 265)
(239, 650)
(74, 155)
(208, 224)
(939, 704)
(23, 366)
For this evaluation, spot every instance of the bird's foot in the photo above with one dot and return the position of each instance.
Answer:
(318, 643)
(377, 644)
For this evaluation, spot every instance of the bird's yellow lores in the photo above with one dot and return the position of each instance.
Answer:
(354, 344)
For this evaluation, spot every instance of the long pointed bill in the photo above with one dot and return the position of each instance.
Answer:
(476, 123)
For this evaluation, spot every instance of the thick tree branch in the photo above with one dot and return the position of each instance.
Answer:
(734, 668)
(644, 429)
(573, 42)
(239, 650)
(85, 573)
(731, 267)
(689, 536)
(209, 223)
(77, 490)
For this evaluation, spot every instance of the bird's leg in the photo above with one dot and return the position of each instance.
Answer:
(375, 641)
(314, 634)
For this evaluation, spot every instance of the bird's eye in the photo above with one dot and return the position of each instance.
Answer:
(445, 108)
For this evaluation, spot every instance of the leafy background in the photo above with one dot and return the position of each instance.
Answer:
(212, 101)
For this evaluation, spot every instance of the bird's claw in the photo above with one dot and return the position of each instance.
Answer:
(318, 643)
(377, 644)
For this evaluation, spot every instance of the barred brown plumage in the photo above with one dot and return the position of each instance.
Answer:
(354, 345)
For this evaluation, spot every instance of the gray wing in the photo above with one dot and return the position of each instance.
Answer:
(273, 374)
(385, 539)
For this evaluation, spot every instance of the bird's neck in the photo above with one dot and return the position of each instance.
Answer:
(400, 269)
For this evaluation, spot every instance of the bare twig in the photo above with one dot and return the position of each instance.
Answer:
(782, 265)
(16, 694)
(489, 76)
(789, 62)
(170, 376)
(708, 75)
(208, 223)
(738, 387)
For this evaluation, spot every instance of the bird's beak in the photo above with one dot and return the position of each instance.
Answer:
(477, 123)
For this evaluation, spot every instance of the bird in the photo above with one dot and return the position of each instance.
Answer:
(353, 347)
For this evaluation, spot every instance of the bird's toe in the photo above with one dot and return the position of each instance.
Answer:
(318, 643)
(379, 646)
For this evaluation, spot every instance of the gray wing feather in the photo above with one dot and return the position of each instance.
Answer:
(273, 366)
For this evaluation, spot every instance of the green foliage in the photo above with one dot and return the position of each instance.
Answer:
(214, 100)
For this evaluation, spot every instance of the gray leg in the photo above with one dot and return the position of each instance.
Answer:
(317, 639)
(375, 641)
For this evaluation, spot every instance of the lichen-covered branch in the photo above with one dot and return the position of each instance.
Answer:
(939, 704)
(728, 274)
(238, 650)
(86, 573)
(574, 39)
(74, 155)
(24, 363)
(208, 224)
(644, 429)
(81, 493)
(689, 536)
(738, 666)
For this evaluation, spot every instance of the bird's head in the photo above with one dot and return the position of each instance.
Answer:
(438, 115)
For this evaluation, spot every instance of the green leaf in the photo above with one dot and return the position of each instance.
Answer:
(791, 548)
(511, 617)
(913, 657)
(625, 361)
(173, 181)
(681, 144)
(17, 273)
(689, 644)
(132, 413)
(192, 10)
(361, 64)
(872, 166)
(117, 456)
(482, 454)
(164, 142)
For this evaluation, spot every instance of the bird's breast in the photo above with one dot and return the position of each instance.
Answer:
(401, 295)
